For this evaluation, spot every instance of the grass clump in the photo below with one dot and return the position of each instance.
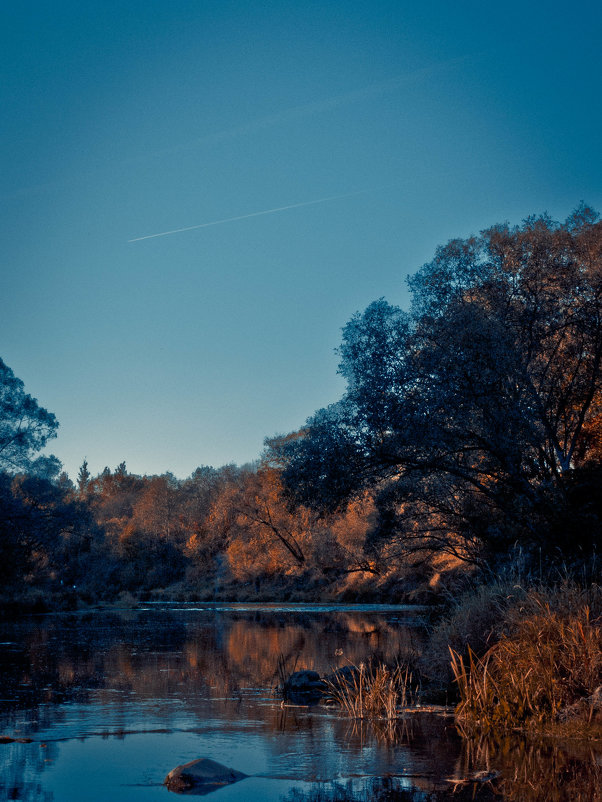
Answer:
(474, 620)
(547, 669)
(373, 691)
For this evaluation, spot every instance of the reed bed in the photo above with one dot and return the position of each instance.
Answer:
(373, 691)
(547, 670)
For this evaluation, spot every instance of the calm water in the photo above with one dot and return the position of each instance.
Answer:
(113, 701)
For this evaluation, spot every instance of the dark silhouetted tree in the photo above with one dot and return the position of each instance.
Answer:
(25, 428)
(466, 416)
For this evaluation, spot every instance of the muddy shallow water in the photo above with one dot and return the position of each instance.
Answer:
(112, 701)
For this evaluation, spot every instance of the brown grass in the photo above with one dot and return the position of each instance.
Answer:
(373, 691)
(550, 664)
(475, 619)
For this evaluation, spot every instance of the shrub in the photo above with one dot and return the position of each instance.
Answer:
(474, 621)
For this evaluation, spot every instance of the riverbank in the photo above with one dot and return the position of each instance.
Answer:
(511, 655)
(360, 587)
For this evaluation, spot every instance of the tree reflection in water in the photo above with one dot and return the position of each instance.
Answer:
(75, 684)
(389, 789)
(506, 770)
(537, 772)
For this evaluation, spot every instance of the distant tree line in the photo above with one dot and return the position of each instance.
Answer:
(470, 423)
(120, 532)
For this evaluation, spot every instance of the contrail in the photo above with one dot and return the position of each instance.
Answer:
(294, 113)
(246, 216)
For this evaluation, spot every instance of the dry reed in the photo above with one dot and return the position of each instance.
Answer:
(285, 666)
(372, 691)
(550, 665)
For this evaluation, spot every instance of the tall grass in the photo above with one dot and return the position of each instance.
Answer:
(372, 690)
(475, 618)
(550, 665)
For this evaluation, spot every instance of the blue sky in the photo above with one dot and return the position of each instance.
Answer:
(422, 121)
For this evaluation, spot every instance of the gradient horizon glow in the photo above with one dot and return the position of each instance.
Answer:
(335, 143)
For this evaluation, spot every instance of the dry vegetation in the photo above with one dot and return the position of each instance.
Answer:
(543, 672)
(372, 691)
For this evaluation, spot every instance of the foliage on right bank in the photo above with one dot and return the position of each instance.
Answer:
(475, 419)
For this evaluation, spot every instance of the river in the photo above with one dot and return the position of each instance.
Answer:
(103, 704)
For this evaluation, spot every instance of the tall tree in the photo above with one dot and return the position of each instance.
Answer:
(466, 416)
(83, 478)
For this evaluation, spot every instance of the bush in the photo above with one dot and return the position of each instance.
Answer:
(475, 621)
(372, 691)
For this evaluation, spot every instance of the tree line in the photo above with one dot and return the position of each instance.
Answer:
(98, 536)
(471, 423)
(201, 536)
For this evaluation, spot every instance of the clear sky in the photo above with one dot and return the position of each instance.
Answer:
(417, 121)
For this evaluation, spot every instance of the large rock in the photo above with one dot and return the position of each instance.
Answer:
(202, 776)
(303, 687)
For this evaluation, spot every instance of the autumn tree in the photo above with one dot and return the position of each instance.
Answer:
(198, 499)
(263, 511)
(112, 496)
(156, 510)
(467, 415)
(210, 515)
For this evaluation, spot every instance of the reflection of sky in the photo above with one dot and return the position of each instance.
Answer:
(134, 766)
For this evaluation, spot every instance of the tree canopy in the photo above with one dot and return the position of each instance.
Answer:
(470, 416)
(25, 428)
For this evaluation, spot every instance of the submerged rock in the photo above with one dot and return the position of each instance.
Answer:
(202, 775)
(303, 687)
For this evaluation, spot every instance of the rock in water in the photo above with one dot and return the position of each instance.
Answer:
(303, 687)
(203, 775)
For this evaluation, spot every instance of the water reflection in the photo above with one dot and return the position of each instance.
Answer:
(537, 772)
(123, 698)
(387, 789)
(504, 770)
